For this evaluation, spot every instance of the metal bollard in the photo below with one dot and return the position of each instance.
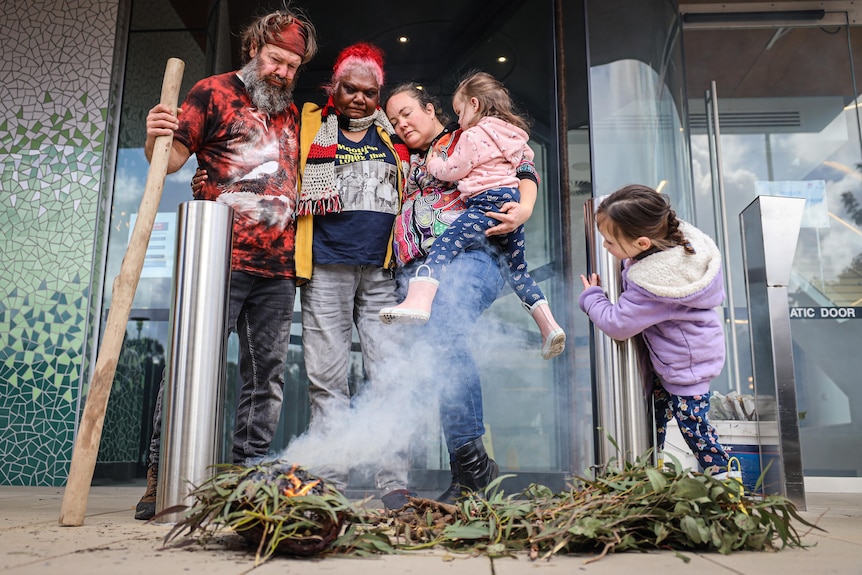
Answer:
(622, 410)
(770, 229)
(194, 389)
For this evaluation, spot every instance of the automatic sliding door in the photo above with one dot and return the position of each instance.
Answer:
(789, 125)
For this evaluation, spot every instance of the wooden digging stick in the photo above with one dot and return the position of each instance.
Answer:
(90, 430)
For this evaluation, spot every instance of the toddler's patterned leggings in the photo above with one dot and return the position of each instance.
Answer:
(691, 412)
(468, 231)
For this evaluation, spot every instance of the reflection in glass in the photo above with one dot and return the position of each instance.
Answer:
(790, 126)
(637, 108)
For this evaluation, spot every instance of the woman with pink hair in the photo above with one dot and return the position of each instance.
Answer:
(344, 261)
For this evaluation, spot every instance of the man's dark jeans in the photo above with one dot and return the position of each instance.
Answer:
(260, 311)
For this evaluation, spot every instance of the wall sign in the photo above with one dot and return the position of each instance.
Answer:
(159, 259)
(825, 312)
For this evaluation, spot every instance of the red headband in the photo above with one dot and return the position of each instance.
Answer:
(292, 38)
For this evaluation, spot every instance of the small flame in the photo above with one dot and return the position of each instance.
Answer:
(298, 488)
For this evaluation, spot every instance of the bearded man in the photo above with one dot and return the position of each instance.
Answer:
(243, 128)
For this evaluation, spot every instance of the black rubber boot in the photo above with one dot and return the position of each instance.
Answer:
(472, 470)
(453, 492)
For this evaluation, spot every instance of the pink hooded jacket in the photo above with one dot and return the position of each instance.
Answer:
(484, 157)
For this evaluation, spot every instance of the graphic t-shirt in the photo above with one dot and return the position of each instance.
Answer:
(251, 161)
(366, 179)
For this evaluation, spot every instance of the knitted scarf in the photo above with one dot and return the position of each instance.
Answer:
(318, 195)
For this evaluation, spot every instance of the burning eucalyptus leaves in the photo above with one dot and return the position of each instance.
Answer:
(275, 506)
(280, 507)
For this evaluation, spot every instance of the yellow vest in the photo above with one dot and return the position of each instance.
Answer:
(310, 123)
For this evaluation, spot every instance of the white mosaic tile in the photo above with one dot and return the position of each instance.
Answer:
(56, 65)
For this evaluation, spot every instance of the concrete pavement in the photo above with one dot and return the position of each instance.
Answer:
(112, 542)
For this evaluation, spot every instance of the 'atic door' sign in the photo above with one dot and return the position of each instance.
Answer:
(825, 312)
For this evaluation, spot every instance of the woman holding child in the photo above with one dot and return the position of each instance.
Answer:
(473, 281)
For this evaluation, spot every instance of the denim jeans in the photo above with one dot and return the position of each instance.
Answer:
(260, 311)
(335, 299)
(470, 284)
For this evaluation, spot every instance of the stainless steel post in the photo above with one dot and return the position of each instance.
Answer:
(722, 235)
(770, 229)
(194, 390)
(622, 410)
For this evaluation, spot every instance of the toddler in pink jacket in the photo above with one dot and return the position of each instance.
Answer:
(482, 157)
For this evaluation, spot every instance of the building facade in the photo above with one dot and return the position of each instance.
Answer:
(714, 104)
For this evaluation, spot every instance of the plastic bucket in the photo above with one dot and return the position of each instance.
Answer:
(740, 440)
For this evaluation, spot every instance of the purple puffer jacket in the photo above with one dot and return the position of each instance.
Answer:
(670, 297)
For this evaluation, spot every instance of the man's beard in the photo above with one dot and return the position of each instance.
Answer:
(270, 94)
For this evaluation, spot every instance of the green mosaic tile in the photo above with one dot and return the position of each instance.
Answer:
(50, 169)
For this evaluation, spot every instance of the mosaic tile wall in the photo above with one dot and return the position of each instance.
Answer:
(128, 420)
(56, 65)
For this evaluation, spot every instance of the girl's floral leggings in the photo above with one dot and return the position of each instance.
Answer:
(692, 414)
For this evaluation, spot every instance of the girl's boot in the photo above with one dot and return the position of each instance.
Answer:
(416, 307)
(733, 480)
(553, 336)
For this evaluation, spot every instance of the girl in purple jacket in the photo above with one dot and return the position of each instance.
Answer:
(483, 157)
(672, 283)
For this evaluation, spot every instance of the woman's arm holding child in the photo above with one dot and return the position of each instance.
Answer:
(512, 215)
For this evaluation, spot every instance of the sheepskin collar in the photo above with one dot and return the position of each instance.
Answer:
(673, 273)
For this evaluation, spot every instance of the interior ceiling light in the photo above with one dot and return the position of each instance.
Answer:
(403, 39)
(502, 59)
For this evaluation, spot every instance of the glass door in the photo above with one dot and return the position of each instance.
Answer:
(533, 440)
(782, 110)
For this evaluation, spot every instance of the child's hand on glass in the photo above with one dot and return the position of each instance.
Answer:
(593, 281)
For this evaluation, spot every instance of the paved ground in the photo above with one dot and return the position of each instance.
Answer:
(111, 542)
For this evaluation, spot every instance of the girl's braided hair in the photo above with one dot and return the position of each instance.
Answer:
(639, 211)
